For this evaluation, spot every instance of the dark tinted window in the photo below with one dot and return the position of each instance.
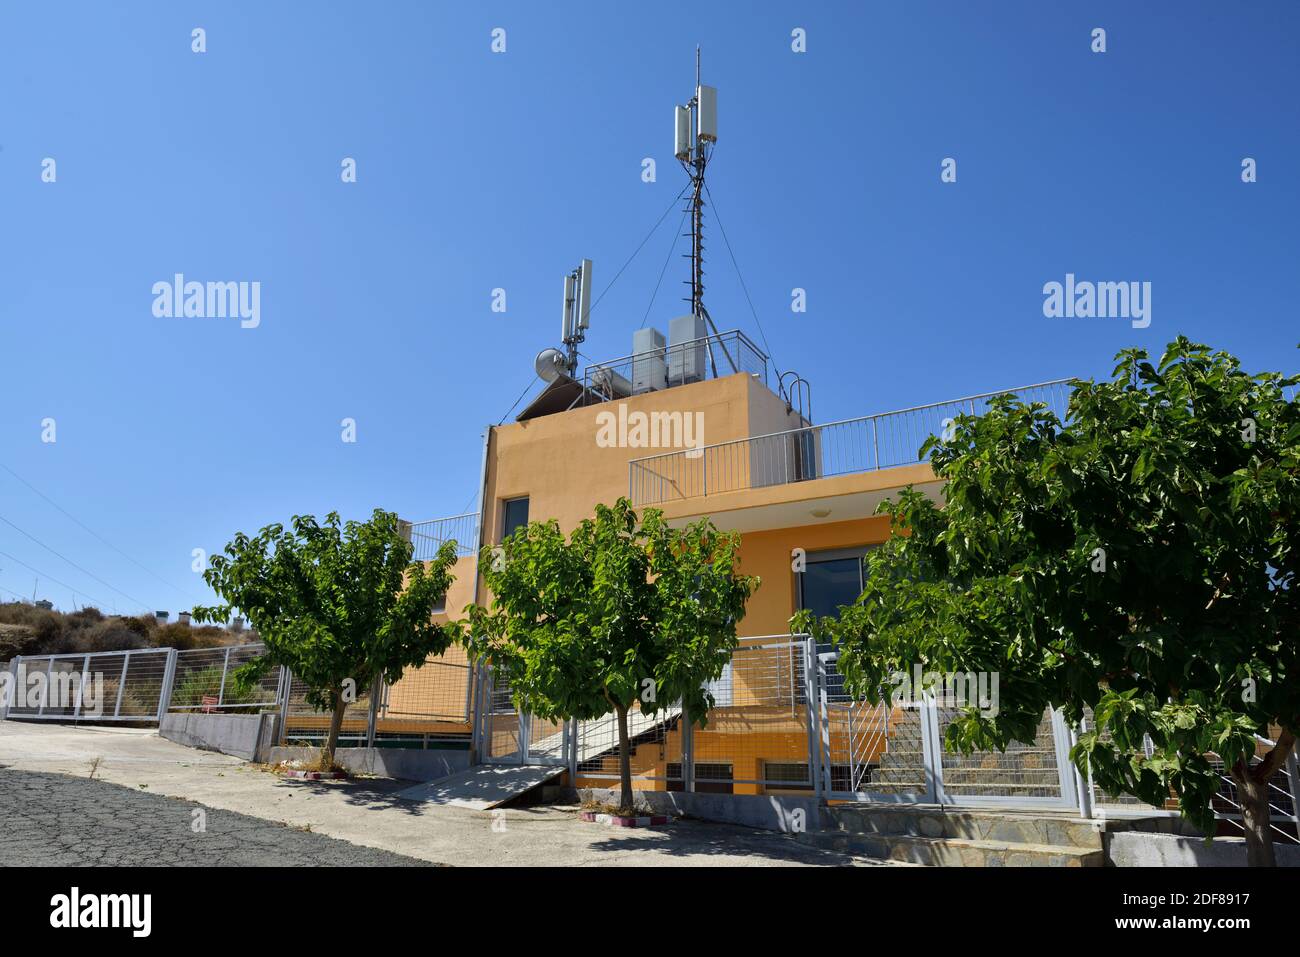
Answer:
(827, 585)
(517, 515)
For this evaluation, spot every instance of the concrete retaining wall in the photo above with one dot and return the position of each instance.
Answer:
(247, 736)
(405, 764)
(1147, 849)
(769, 812)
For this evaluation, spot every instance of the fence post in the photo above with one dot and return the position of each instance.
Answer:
(824, 724)
(81, 686)
(121, 684)
(932, 747)
(476, 713)
(286, 677)
(688, 750)
(376, 698)
(810, 697)
(1082, 785)
(225, 669)
(165, 692)
(45, 693)
(1062, 741)
(11, 692)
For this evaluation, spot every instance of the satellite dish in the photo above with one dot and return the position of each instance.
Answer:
(550, 365)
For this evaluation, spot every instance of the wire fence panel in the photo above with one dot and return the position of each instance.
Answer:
(307, 725)
(1027, 771)
(655, 750)
(428, 706)
(99, 686)
(205, 681)
(757, 736)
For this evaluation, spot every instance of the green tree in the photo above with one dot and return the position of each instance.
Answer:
(624, 611)
(339, 604)
(1139, 559)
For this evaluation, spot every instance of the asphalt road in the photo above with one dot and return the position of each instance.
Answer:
(58, 820)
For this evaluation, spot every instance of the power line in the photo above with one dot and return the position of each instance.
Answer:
(653, 228)
(94, 533)
(83, 571)
(75, 591)
(667, 259)
(736, 266)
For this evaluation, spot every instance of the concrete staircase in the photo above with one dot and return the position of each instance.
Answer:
(952, 837)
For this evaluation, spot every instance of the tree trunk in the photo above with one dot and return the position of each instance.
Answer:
(625, 805)
(1253, 798)
(332, 739)
(1252, 791)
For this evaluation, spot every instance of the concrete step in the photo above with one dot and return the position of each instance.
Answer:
(955, 852)
(1007, 826)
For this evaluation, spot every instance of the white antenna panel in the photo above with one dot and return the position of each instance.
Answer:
(682, 133)
(566, 316)
(707, 99)
(584, 294)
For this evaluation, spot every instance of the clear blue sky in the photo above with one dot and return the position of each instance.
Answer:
(479, 170)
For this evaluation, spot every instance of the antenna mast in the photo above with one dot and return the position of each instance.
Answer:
(697, 130)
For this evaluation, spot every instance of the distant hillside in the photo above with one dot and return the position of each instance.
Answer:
(28, 630)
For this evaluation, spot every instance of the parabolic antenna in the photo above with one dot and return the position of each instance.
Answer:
(550, 365)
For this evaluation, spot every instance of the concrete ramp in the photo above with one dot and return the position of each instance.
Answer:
(482, 787)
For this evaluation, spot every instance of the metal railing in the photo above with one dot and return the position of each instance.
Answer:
(710, 357)
(865, 444)
(428, 537)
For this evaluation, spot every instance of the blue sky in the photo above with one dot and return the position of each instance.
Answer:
(478, 170)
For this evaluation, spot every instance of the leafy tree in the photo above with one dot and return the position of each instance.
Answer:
(1139, 559)
(621, 612)
(339, 604)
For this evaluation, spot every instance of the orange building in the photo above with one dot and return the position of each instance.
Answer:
(713, 436)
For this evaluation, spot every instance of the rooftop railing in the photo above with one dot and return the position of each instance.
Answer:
(428, 537)
(865, 444)
(710, 357)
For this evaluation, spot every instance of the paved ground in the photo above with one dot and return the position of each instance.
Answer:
(54, 820)
(363, 813)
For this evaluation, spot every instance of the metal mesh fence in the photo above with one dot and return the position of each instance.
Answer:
(102, 686)
(756, 739)
(205, 681)
(1026, 769)
(655, 750)
(426, 707)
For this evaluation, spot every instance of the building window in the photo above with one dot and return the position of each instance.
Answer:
(830, 580)
(709, 778)
(516, 515)
(786, 776)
